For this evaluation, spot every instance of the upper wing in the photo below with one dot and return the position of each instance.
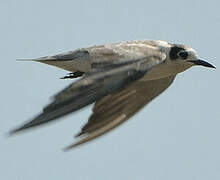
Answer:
(114, 109)
(96, 57)
(93, 86)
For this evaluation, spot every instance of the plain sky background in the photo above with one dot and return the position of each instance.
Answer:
(176, 137)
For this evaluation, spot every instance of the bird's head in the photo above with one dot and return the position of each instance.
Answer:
(185, 56)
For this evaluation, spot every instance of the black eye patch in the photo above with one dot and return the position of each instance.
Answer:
(174, 52)
(183, 54)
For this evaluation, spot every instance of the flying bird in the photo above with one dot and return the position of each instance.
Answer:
(119, 78)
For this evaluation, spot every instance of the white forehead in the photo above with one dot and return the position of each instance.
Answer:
(192, 52)
(166, 47)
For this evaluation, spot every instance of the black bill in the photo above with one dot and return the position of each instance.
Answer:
(202, 63)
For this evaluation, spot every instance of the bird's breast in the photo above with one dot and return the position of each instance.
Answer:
(165, 70)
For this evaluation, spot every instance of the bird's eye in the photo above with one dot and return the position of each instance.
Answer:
(183, 54)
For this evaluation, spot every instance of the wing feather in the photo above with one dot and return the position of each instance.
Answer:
(92, 87)
(114, 109)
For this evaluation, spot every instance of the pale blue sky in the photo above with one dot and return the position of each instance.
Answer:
(174, 137)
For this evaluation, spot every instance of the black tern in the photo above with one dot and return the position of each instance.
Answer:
(119, 78)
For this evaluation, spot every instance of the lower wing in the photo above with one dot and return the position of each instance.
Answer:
(112, 110)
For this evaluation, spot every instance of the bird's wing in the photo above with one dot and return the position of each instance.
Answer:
(116, 53)
(93, 86)
(97, 57)
(114, 109)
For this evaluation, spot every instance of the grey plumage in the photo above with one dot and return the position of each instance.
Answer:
(120, 78)
(93, 86)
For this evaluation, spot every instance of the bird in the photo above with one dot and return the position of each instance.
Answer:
(118, 78)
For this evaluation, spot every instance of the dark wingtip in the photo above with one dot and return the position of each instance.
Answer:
(78, 134)
(66, 149)
(79, 142)
(20, 129)
(14, 132)
(10, 133)
(70, 147)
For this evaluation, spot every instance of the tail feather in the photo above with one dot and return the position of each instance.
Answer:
(72, 61)
(53, 61)
(45, 58)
